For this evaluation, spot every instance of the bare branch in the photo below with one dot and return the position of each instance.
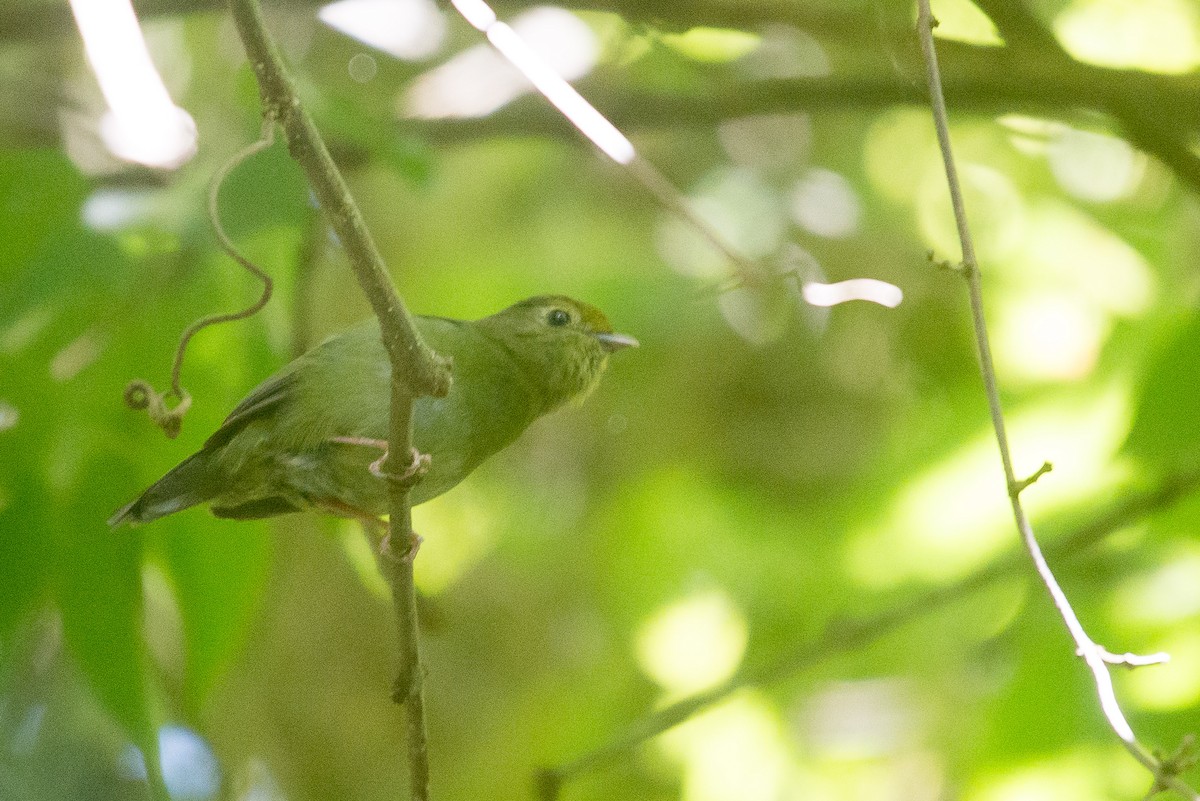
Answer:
(416, 369)
(1092, 654)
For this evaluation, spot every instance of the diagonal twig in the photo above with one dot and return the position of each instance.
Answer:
(1093, 654)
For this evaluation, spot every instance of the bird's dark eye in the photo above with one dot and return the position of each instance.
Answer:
(558, 317)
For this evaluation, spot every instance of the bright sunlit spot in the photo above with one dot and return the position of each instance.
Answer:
(1093, 166)
(261, 784)
(741, 207)
(1048, 336)
(1066, 250)
(774, 143)
(143, 124)
(465, 534)
(407, 29)
(756, 316)
(1089, 165)
(76, 356)
(1165, 596)
(962, 21)
(693, 644)
(479, 80)
(1152, 35)
(9, 416)
(868, 289)
(735, 751)
(860, 719)
(714, 45)
(824, 203)
(1172, 686)
(997, 210)
(189, 766)
(1063, 286)
(114, 208)
(787, 52)
(955, 516)
(361, 555)
(900, 153)
(1083, 775)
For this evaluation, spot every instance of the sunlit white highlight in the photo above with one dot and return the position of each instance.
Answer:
(143, 124)
(825, 204)
(407, 29)
(481, 80)
(1094, 166)
(9, 416)
(476, 12)
(870, 289)
(582, 114)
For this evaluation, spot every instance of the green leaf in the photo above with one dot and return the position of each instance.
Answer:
(100, 597)
(40, 193)
(1166, 427)
(24, 572)
(219, 572)
(265, 191)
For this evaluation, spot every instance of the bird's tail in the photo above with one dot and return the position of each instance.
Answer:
(192, 481)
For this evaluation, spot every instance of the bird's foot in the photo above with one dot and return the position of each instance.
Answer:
(410, 553)
(411, 475)
(418, 467)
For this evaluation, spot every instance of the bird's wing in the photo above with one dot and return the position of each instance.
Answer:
(266, 396)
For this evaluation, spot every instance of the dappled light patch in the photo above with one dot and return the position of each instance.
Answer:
(1173, 686)
(950, 519)
(1155, 35)
(414, 30)
(462, 530)
(694, 643)
(736, 751)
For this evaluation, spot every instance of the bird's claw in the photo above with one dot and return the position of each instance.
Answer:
(411, 475)
(410, 553)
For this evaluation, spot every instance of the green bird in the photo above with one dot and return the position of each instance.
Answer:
(309, 436)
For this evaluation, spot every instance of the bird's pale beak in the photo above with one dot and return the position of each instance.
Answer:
(613, 342)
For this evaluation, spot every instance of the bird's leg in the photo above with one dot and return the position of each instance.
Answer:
(410, 553)
(410, 476)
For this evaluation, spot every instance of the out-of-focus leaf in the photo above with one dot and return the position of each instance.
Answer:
(40, 193)
(265, 191)
(24, 568)
(78, 270)
(219, 573)
(1166, 425)
(100, 597)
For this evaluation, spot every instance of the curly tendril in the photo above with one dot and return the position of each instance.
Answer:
(140, 395)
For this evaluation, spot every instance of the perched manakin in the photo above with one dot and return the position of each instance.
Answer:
(306, 437)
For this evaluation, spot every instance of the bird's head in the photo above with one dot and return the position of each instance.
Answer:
(562, 343)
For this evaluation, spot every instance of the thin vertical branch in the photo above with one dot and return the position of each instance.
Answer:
(416, 369)
(1093, 655)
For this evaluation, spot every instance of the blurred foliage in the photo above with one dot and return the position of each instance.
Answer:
(753, 474)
